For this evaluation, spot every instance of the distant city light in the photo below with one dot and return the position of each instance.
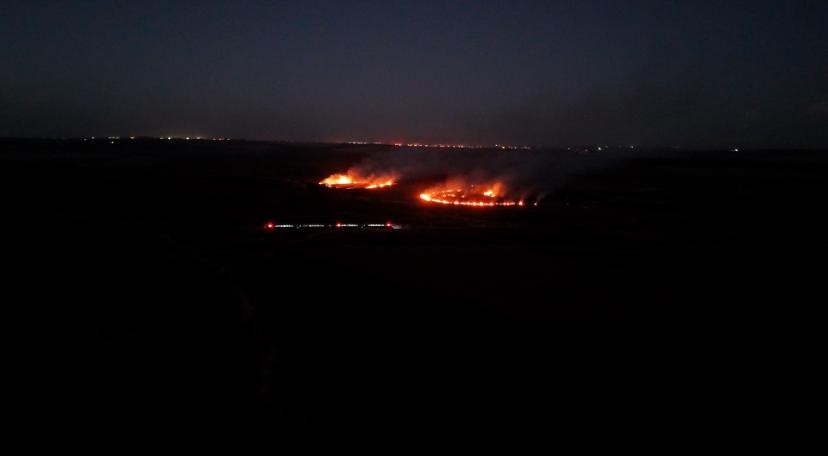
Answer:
(446, 146)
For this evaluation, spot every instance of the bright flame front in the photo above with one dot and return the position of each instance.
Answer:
(353, 179)
(476, 195)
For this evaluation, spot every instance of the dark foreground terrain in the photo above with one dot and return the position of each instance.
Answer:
(150, 292)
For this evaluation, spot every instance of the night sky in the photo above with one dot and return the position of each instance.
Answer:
(672, 73)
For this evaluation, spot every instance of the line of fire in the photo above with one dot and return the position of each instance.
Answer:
(456, 192)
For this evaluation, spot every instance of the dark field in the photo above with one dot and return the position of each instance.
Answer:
(151, 292)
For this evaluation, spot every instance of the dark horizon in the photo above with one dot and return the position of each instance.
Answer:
(695, 74)
(436, 146)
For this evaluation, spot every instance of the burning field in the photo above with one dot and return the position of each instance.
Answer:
(455, 192)
(478, 179)
(353, 179)
(459, 193)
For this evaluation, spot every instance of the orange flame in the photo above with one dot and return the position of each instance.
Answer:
(485, 195)
(352, 179)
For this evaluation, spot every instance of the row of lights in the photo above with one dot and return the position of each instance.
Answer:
(167, 138)
(462, 146)
(448, 146)
(197, 138)
(270, 226)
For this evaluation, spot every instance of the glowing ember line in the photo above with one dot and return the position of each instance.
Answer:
(457, 202)
(470, 195)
